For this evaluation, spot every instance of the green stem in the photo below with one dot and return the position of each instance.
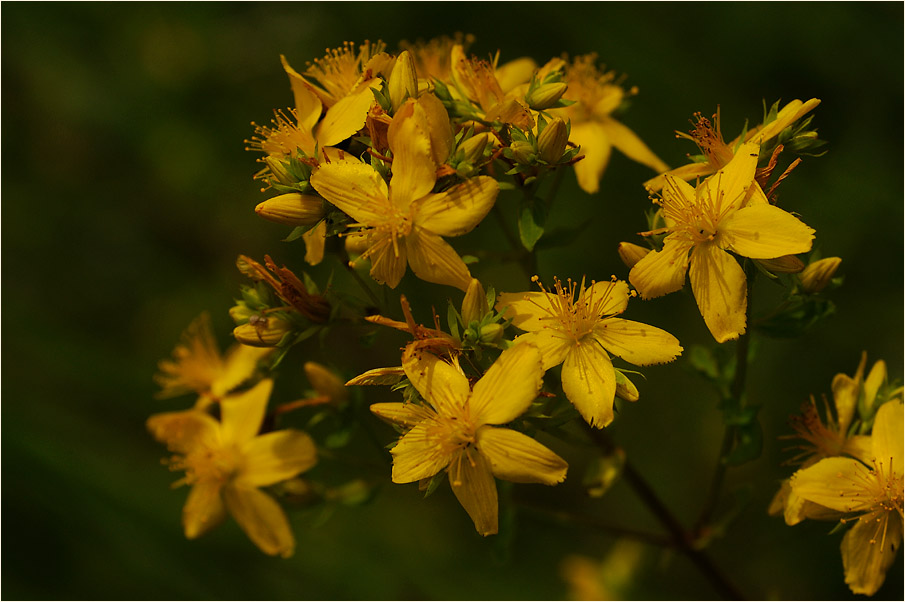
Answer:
(678, 534)
(580, 520)
(364, 285)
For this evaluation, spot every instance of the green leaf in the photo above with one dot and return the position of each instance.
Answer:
(531, 220)
(434, 483)
(452, 319)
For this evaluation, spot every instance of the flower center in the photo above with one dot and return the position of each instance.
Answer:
(208, 464)
(710, 140)
(283, 137)
(573, 316)
(340, 69)
(699, 217)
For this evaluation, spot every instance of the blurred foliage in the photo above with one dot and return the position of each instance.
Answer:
(126, 122)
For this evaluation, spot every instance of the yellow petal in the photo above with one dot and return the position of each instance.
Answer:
(474, 305)
(552, 344)
(315, 239)
(596, 149)
(441, 384)
(685, 172)
(788, 115)
(403, 414)
(473, 484)
(515, 73)
(508, 387)
(307, 105)
(275, 457)
(459, 209)
(262, 519)
(203, 509)
(589, 381)
(434, 260)
(243, 413)
(181, 431)
(513, 112)
(838, 483)
(388, 257)
(414, 170)
(631, 145)
(720, 289)
(606, 298)
(637, 343)
(519, 458)
(417, 456)
(764, 232)
(355, 188)
(887, 438)
(731, 184)
(845, 396)
(344, 119)
(869, 549)
(528, 311)
(875, 379)
(241, 363)
(662, 272)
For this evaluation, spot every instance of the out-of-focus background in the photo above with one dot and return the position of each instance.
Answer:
(127, 196)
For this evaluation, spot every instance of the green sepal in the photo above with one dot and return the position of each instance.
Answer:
(434, 483)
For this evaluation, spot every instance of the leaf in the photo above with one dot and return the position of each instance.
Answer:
(531, 220)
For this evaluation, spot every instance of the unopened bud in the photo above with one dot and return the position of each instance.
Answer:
(403, 82)
(356, 243)
(817, 275)
(787, 264)
(262, 332)
(278, 171)
(523, 152)
(240, 313)
(491, 333)
(551, 143)
(472, 149)
(325, 382)
(292, 209)
(631, 253)
(625, 388)
(545, 96)
(474, 306)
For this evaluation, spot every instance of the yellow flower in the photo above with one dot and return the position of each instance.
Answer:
(578, 333)
(227, 462)
(717, 153)
(477, 81)
(405, 222)
(455, 431)
(873, 491)
(726, 212)
(198, 367)
(596, 96)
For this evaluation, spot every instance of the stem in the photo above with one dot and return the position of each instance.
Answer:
(736, 392)
(589, 521)
(680, 538)
(364, 285)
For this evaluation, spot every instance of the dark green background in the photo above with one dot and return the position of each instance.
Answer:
(127, 195)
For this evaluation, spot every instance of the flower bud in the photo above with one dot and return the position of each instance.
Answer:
(551, 143)
(240, 313)
(278, 171)
(262, 332)
(325, 382)
(472, 149)
(523, 152)
(626, 389)
(491, 333)
(545, 96)
(787, 264)
(474, 306)
(817, 275)
(403, 82)
(631, 253)
(292, 209)
(356, 243)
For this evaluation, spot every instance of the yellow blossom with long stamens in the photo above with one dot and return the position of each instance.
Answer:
(596, 95)
(477, 81)
(577, 327)
(406, 221)
(708, 136)
(457, 430)
(227, 462)
(726, 212)
(872, 491)
(198, 367)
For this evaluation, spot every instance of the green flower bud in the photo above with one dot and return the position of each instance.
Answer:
(262, 332)
(491, 333)
(241, 313)
(545, 95)
(472, 149)
(474, 306)
(625, 388)
(278, 171)
(551, 143)
(523, 152)
(326, 382)
(787, 264)
(292, 209)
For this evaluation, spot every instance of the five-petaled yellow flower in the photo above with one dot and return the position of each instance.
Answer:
(717, 153)
(227, 462)
(198, 367)
(594, 129)
(873, 491)
(726, 212)
(455, 430)
(405, 223)
(578, 333)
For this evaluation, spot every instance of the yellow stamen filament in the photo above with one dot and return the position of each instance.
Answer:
(283, 137)
(699, 218)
